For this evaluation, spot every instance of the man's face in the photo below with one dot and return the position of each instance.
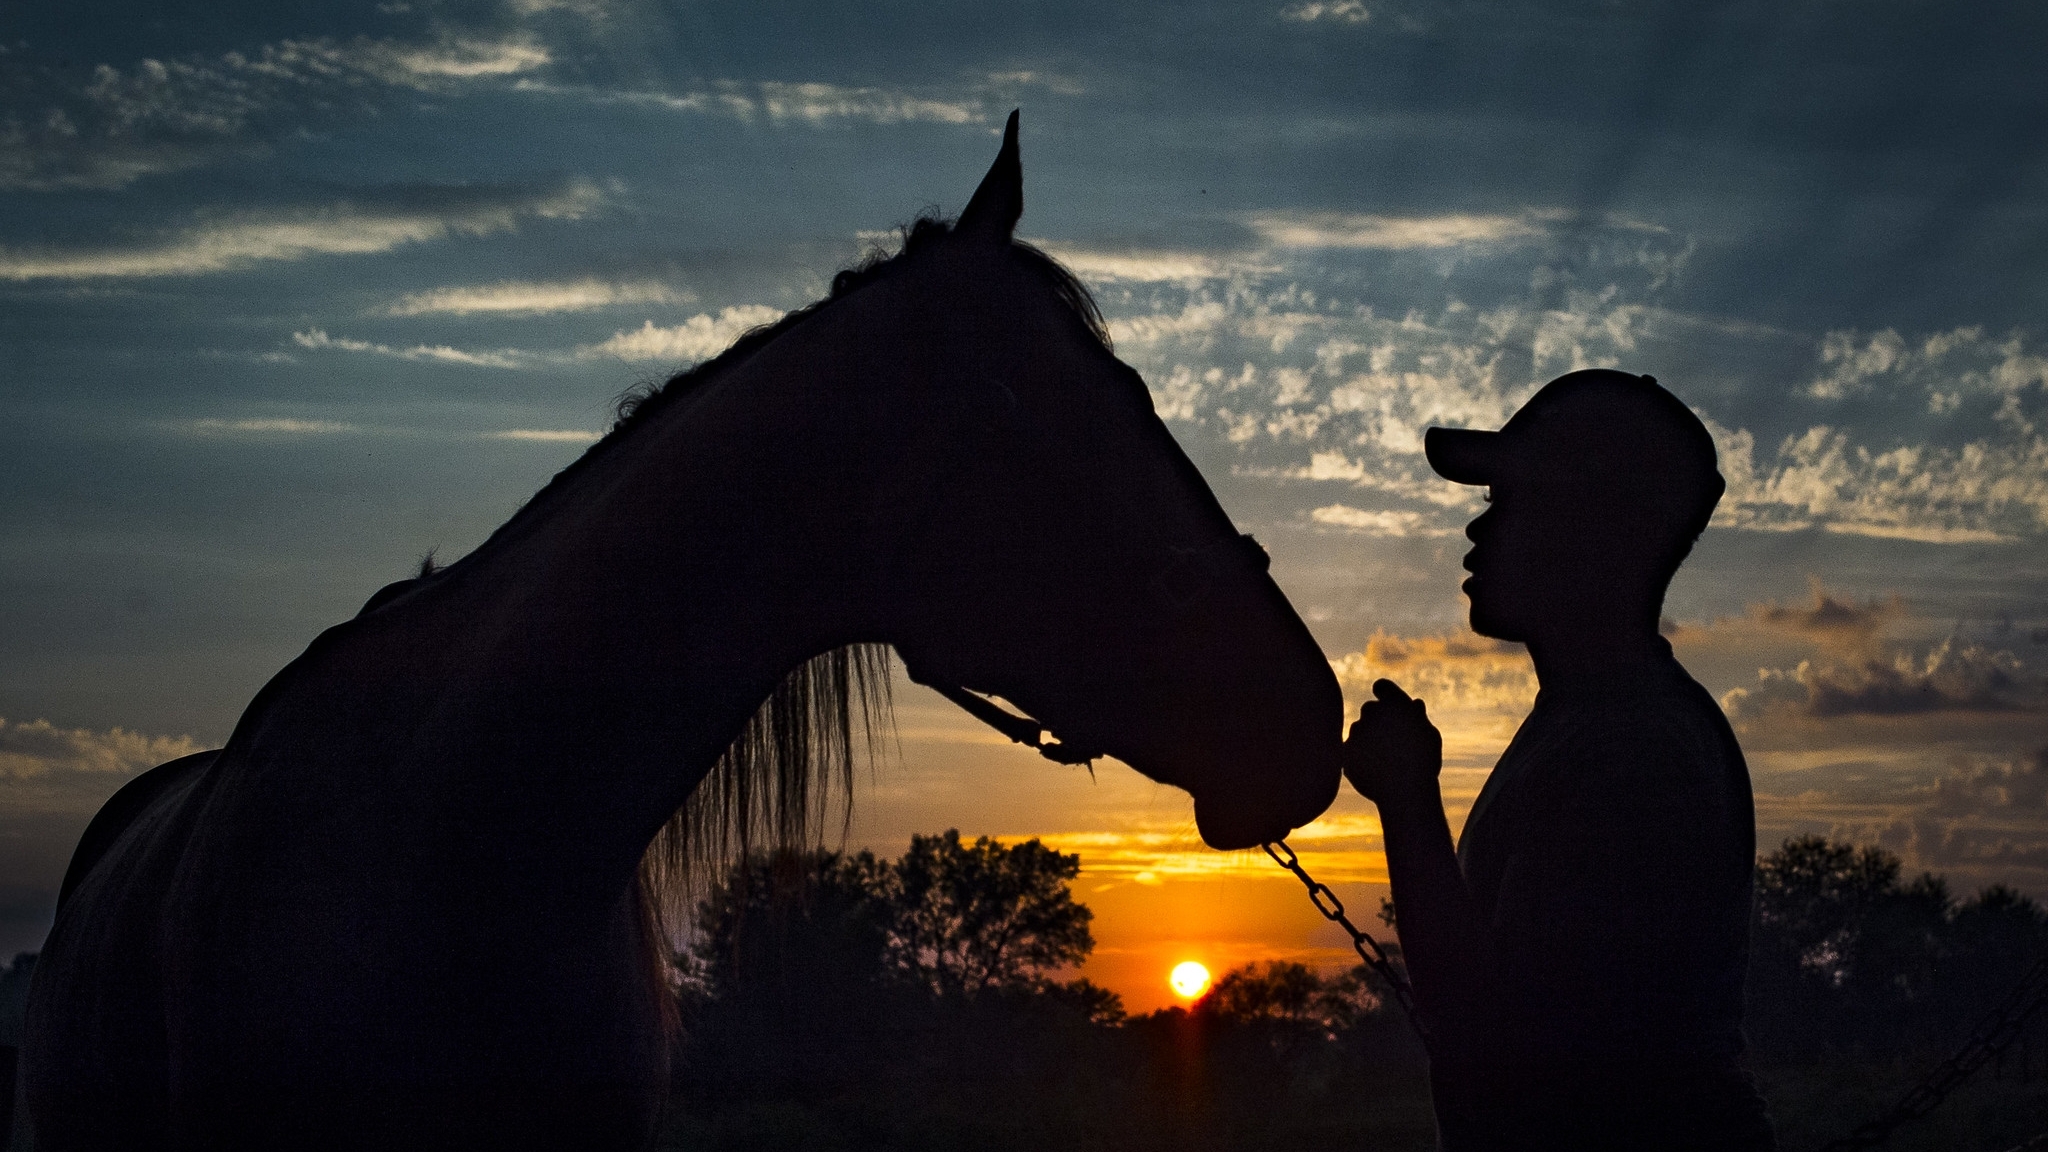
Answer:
(1527, 558)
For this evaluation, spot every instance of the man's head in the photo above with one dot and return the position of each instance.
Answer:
(1599, 485)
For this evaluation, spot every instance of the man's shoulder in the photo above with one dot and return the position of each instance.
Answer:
(1655, 733)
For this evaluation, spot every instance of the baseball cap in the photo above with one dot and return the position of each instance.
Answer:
(1601, 432)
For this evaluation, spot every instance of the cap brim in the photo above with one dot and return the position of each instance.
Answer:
(1464, 455)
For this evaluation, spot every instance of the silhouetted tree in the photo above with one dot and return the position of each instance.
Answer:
(1848, 956)
(971, 917)
(1291, 996)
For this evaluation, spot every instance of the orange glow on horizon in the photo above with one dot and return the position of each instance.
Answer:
(1189, 979)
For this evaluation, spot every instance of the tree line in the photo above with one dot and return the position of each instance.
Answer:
(841, 1000)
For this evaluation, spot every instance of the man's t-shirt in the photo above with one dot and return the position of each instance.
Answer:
(1609, 858)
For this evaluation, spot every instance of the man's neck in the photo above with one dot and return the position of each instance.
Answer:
(1594, 655)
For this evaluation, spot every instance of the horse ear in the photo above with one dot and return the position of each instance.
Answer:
(992, 214)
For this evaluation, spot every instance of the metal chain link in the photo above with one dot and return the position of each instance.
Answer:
(1993, 1035)
(1368, 949)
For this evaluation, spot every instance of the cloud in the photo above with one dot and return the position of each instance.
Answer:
(161, 115)
(1950, 676)
(1465, 670)
(808, 103)
(317, 339)
(1395, 233)
(1936, 439)
(1478, 690)
(1385, 522)
(342, 229)
(288, 426)
(1835, 623)
(2019, 785)
(545, 435)
(699, 338)
(1333, 11)
(1986, 816)
(1943, 368)
(424, 66)
(1338, 847)
(512, 297)
(1148, 265)
(1974, 470)
(39, 749)
(1982, 492)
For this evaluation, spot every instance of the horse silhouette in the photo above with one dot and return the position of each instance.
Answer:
(404, 907)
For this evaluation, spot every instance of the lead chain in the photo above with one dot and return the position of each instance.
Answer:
(1368, 949)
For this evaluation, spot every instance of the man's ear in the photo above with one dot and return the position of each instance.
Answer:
(991, 216)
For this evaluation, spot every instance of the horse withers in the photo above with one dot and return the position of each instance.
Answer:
(403, 907)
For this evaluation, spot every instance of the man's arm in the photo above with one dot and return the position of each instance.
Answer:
(1393, 757)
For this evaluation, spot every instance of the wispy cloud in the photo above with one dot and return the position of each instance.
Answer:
(545, 435)
(1149, 265)
(787, 102)
(1941, 439)
(1477, 689)
(40, 748)
(1332, 11)
(513, 297)
(1339, 847)
(1945, 369)
(1380, 522)
(160, 115)
(1396, 233)
(285, 426)
(347, 228)
(699, 338)
(1985, 491)
(316, 339)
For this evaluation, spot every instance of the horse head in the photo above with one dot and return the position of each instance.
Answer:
(1070, 559)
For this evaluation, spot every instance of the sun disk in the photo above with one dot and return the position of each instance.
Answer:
(1189, 979)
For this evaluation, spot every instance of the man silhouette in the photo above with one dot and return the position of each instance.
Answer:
(1578, 959)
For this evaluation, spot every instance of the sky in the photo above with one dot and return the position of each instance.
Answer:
(291, 294)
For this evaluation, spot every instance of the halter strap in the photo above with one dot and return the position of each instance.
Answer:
(1022, 729)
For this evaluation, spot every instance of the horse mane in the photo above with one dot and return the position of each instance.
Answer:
(772, 787)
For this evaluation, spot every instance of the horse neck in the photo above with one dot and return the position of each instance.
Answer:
(602, 650)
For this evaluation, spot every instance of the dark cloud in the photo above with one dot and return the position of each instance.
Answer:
(1951, 676)
(1837, 622)
(2019, 785)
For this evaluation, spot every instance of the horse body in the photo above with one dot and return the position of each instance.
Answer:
(400, 907)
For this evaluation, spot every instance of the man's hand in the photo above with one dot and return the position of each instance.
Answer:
(1394, 751)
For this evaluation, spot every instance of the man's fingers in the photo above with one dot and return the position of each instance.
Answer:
(1388, 691)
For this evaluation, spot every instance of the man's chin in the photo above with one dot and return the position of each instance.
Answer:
(1485, 625)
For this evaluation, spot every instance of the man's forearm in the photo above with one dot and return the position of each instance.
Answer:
(1441, 938)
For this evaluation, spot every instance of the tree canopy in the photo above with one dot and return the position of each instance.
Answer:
(951, 918)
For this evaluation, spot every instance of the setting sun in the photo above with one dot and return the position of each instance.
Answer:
(1189, 979)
